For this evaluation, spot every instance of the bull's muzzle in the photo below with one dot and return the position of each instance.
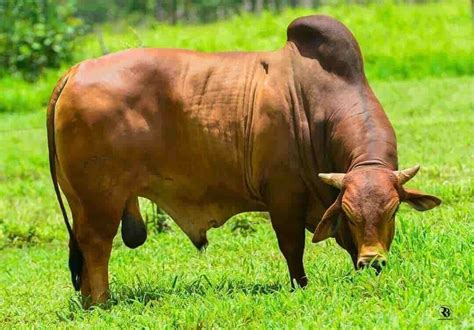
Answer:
(376, 261)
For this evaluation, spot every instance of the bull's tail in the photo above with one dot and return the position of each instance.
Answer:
(75, 255)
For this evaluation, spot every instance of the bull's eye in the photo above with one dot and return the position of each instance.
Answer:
(393, 211)
(349, 214)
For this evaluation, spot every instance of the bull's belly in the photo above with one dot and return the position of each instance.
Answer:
(198, 206)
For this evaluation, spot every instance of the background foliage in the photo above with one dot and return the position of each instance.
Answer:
(35, 35)
(399, 41)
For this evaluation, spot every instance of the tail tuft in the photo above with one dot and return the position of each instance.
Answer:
(76, 261)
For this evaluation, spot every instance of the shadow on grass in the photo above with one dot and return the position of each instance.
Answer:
(147, 294)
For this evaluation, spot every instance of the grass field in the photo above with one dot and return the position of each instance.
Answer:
(241, 279)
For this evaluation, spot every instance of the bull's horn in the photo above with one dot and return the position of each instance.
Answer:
(333, 179)
(406, 175)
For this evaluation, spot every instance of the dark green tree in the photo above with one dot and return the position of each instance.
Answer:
(35, 35)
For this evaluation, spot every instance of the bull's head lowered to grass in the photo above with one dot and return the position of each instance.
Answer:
(362, 219)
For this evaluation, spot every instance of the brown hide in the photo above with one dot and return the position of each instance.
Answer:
(207, 136)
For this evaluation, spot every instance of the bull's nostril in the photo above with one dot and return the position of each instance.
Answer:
(361, 264)
(377, 266)
(383, 263)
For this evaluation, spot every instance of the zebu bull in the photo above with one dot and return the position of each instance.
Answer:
(207, 136)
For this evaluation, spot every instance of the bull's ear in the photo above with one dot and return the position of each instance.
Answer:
(328, 225)
(420, 201)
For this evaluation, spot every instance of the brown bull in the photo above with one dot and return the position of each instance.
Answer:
(207, 136)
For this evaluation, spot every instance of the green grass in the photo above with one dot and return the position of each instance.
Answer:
(241, 280)
(419, 60)
(399, 41)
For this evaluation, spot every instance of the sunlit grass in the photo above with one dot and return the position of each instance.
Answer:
(241, 279)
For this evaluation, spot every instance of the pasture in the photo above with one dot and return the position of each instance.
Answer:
(419, 63)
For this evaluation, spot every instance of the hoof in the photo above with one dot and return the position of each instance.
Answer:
(202, 244)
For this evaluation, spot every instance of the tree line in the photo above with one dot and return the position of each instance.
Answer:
(174, 11)
(177, 11)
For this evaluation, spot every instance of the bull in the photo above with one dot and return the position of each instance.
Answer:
(296, 132)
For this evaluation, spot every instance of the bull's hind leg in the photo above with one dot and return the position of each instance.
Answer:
(95, 230)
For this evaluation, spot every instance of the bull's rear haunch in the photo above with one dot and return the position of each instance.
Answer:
(296, 132)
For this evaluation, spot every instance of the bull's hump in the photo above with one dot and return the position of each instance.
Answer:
(330, 42)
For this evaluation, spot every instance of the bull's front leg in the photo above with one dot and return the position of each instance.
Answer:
(287, 212)
(291, 243)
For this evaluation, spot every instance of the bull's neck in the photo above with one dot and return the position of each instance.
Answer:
(338, 124)
(347, 125)
(358, 131)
